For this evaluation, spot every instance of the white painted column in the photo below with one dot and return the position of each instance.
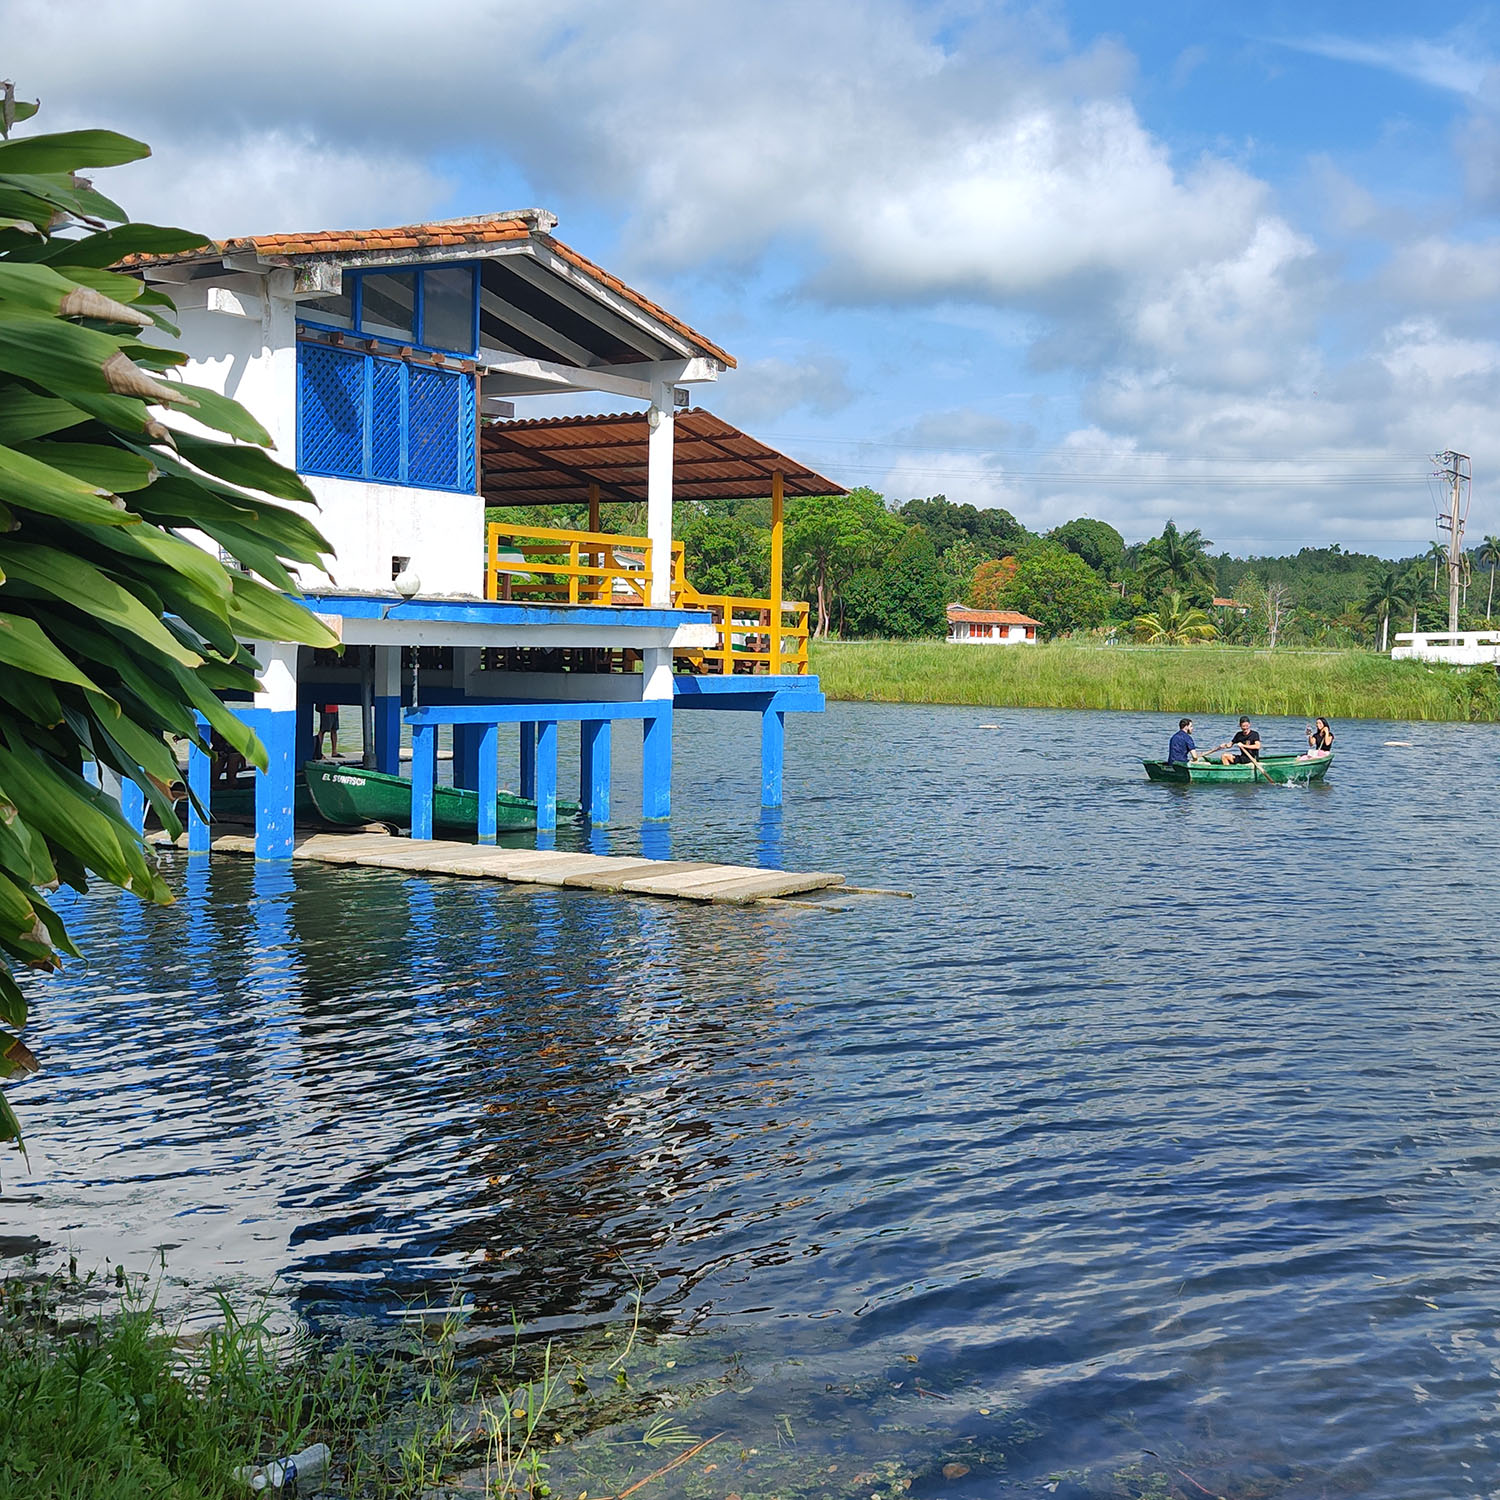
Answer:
(659, 493)
(656, 672)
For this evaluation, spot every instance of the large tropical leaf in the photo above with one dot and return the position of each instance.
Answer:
(118, 631)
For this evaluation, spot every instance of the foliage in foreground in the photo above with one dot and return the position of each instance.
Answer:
(115, 1406)
(1173, 680)
(115, 629)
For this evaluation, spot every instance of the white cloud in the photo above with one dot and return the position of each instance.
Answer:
(764, 390)
(901, 157)
(1451, 66)
(277, 180)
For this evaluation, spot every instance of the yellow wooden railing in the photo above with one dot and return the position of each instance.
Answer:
(547, 565)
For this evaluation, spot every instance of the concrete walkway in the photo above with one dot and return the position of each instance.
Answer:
(679, 879)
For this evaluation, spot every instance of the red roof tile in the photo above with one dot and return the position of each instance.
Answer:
(481, 229)
(958, 612)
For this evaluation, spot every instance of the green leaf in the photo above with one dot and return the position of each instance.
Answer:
(70, 151)
(224, 415)
(24, 645)
(263, 614)
(12, 1004)
(25, 414)
(73, 197)
(33, 484)
(111, 246)
(75, 582)
(100, 465)
(56, 355)
(251, 468)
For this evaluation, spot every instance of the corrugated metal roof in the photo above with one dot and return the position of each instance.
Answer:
(552, 460)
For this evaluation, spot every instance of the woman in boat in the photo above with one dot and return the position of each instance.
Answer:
(1319, 737)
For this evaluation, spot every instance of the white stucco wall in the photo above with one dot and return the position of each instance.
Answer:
(369, 524)
(240, 338)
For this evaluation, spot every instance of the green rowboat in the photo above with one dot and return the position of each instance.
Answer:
(350, 796)
(1282, 769)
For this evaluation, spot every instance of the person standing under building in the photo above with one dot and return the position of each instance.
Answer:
(328, 723)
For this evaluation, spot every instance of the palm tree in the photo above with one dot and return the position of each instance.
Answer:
(1489, 557)
(1437, 555)
(1178, 559)
(1390, 590)
(1174, 624)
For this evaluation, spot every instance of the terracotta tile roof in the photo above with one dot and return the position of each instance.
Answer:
(1229, 604)
(480, 229)
(958, 612)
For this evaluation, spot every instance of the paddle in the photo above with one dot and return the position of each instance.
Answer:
(1254, 762)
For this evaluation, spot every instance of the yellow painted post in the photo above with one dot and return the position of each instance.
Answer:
(596, 559)
(573, 572)
(777, 527)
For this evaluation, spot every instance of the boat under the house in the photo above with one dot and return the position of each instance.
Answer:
(393, 364)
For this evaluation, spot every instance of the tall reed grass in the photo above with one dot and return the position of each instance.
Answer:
(1162, 679)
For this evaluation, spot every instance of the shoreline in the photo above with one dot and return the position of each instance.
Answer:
(1207, 679)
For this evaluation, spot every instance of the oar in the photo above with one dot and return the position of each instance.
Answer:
(1260, 768)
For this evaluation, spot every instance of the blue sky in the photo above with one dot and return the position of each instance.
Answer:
(1236, 265)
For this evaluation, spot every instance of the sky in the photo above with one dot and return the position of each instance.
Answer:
(1234, 265)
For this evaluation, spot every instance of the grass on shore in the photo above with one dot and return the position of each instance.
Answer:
(1162, 679)
(100, 1399)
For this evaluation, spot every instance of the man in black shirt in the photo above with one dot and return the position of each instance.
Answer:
(1248, 743)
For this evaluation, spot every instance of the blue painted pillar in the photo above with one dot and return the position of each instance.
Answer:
(772, 755)
(274, 719)
(487, 777)
(276, 786)
(544, 771)
(388, 736)
(656, 764)
(200, 777)
(527, 733)
(423, 778)
(133, 804)
(466, 742)
(388, 710)
(593, 769)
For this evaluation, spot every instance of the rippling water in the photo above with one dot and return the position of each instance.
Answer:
(1157, 1135)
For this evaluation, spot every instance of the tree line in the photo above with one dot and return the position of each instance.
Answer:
(872, 568)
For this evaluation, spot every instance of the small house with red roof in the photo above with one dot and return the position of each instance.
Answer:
(990, 627)
(388, 365)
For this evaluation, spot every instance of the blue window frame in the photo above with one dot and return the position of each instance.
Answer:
(423, 307)
(366, 416)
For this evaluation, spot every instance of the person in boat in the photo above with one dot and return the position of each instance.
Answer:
(1319, 737)
(328, 723)
(1243, 748)
(1181, 749)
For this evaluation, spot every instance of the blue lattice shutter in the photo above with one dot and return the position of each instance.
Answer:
(386, 419)
(440, 425)
(330, 410)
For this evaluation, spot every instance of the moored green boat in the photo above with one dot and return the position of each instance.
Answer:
(1282, 769)
(350, 796)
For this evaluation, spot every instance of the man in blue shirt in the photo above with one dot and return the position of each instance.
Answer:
(1181, 749)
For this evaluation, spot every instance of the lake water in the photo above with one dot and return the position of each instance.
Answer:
(1152, 1149)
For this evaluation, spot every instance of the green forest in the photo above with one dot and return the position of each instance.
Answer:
(876, 570)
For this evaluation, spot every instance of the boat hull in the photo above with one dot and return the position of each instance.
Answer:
(351, 796)
(1284, 770)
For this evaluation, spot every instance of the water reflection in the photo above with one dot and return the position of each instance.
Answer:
(1157, 1121)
